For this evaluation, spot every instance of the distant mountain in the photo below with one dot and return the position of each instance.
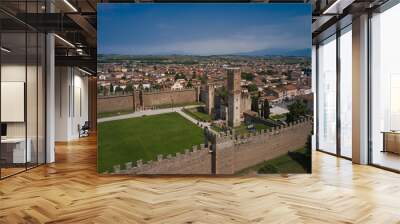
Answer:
(306, 52)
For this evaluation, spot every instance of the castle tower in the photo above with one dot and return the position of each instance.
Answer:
(134, 100)
(234, 92)
(210, 91)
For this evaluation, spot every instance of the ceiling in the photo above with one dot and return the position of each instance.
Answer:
(75, 21)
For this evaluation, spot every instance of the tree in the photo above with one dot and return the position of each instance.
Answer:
(223, 93)
(190, 85)
(100, 89)
(252, 87)
(266, 109)
(111, 88)
(180, 76)
(157, 86)
(247, 76)
(264, 80)
(307, 154)
(296, 110)
(308, 146)
(118, 89)
(129, 88)
(289, 75)
(254, 105)
(203, 79)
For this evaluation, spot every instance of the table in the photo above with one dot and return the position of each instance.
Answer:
(13, 150)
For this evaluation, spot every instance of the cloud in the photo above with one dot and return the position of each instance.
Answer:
(248, 39)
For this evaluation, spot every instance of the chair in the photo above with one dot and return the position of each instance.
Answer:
(84, 130)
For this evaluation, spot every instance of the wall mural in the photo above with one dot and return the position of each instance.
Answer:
(207, 89)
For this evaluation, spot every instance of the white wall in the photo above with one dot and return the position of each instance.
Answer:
(71, 102)
(33, 126)
(62, 82)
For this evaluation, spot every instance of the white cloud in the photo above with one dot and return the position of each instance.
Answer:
(243, 40)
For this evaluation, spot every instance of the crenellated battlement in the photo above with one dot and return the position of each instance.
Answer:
(247, 150)
(266, 133)
(147, 99)
(180, 163)
(232, 153)
(154, 91)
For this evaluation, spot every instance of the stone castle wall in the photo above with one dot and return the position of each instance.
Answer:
(114, 103)
(235, 154)
(195, 161)
(146, 100)
(156, 98)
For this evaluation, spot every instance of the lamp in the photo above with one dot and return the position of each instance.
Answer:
(70, 5)
(5, 50)
(86, 72)
(64, 40)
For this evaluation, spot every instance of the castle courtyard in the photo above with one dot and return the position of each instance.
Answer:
(143, 138)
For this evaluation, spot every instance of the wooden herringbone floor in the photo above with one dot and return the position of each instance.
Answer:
(70, 191)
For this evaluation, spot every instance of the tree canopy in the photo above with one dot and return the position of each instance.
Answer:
(296, 110)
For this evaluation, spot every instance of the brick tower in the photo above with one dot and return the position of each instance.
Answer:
(210, 94)
(234, 91)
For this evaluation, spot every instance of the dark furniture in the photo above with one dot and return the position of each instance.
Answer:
(84, 130)
(391, 141)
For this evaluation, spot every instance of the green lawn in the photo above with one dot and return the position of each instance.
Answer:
(216, 128)
(198, 114)
(144, 138)
(162, 106)
(278, 117)
(113, 113)
(295, 162)
(242, 129)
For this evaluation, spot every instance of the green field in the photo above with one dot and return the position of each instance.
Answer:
(162, 106)
(242, 129)
(113, 113)
(144, 138)
(294, 162)
(278, 117)
(198, 114)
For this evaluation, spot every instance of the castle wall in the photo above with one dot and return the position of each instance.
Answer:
(245, 103)
(195, 161)
(146, 100)
(157, 98)
(255, 119)
(233, 155)
(114, 103)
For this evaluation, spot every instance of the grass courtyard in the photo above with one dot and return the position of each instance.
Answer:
(198, 114)
(293, 162)
(144, 138)
(242, 129)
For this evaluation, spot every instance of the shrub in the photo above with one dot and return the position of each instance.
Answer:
(268, 168)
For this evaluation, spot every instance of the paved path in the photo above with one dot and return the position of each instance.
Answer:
(144, 112)
(160, 111)
(198, 123)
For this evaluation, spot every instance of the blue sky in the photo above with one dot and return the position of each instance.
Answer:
(202, 29)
